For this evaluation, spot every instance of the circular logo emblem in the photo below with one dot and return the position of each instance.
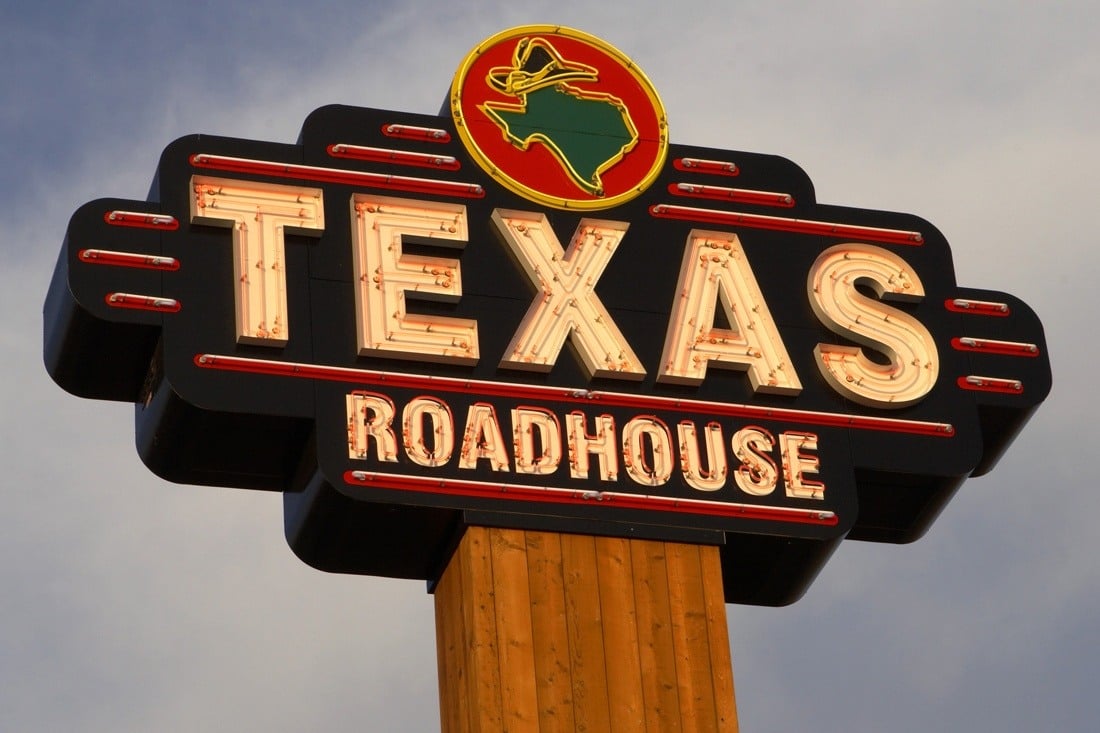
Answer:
(560, 117)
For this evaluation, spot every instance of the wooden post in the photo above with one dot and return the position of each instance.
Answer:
(542, 631)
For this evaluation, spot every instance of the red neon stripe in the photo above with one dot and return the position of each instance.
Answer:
(976, 307)
(738, 195)
(142, 302)
(141, 220)
(398, 157)
(990, 346)
(616, 499)
(800, 226)
(991, 384)
(567, 395)
(336, 175)
(698, 165)
(128, 259)
(412, 132)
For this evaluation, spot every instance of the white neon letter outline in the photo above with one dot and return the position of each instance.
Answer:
(384, 275)
(482, 439)
(695, 476)
(797, 464)
(636, 433)
(370, 417)
(913, 358)
(715, 272)
(601, 444)
(443, 431)
(566, 304)
(261, 215)
(757, 474)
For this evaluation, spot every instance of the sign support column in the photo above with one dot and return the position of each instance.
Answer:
(545, 631)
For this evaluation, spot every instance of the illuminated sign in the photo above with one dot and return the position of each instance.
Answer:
(536, 311)
(560, 117)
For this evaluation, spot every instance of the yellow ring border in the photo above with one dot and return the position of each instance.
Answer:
(527, 192)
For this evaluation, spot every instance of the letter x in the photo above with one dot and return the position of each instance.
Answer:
(565, 303)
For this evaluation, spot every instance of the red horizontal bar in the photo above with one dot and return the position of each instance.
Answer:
(336, 175)
(991, 384)
(412, 132)
(977, 307)
(128, 259)
(800, 226)
(698, 165)
(990, 346)
(142, 302)
(141, 220)
(398, 157)
(738, 195)
(569, 396)
(611, 499)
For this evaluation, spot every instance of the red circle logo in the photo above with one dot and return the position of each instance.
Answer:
(560, 117)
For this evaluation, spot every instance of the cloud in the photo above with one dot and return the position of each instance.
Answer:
(133, 604)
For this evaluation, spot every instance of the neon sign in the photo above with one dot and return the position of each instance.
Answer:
(406, 323)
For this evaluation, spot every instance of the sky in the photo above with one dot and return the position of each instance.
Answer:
(131, 604)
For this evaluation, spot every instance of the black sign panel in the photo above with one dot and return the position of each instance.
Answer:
(383, 451)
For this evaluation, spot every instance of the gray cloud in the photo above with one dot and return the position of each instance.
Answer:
(133, 604)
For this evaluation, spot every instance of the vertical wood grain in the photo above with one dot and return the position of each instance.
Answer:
(690, 641)
(479, 624)
(620, 635)
(725, 701)
(453, 698)
(541, 631)
(656, 649)
(553, 675)
(515, 639)
(584, 623)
